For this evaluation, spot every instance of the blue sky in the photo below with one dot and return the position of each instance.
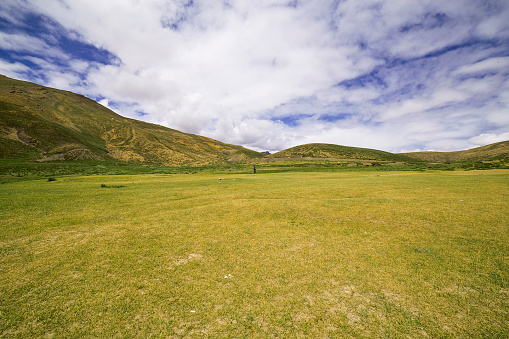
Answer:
(271, 74)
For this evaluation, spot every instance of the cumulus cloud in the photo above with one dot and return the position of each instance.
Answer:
(489, 138)
(275, 73)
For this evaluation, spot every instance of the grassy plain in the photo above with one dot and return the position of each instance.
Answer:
(345, 254)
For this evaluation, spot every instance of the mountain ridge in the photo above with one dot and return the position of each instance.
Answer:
(39, 123)
(45, 124)
(498, 150)
(332, 151)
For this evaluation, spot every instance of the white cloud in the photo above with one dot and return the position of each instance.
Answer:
(489, 138)
(12, 69)
(23, 43)
(484, 66)
(437, 99)
(495, 24)
(358, 95)
(105, 102)
(396, 75)
(245, 64)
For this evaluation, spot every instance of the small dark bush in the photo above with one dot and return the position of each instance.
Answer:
(112, 186)
(52, 179)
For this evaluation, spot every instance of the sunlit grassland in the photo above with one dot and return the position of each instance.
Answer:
(346, 254)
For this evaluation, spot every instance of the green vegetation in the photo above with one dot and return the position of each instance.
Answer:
(15, 170)
(363, 253)
(111, 186)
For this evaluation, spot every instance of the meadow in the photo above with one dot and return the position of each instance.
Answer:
(293, 254)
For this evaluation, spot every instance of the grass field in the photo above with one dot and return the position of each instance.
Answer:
(345, 254)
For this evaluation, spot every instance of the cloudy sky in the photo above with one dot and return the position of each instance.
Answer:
(270, 74)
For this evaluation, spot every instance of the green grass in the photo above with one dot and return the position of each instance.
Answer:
(342, 254)
(16, 170)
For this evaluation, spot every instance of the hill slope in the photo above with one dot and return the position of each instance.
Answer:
(41, 123)
(318, 150)
(496, 151)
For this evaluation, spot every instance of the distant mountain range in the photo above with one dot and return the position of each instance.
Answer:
(494, 151)
(38, 123)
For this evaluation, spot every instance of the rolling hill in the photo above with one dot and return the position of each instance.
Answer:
(45, 124)
(331, 151)
(38, 123)
(496, 151)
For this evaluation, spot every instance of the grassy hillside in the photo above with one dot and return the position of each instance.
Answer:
(40, 123)
(497, 151)
(338, 152)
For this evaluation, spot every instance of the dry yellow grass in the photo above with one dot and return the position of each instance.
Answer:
(289, 255)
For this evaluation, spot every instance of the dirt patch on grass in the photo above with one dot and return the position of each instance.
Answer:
(185, 260)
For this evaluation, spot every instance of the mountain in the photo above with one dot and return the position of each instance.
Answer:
(330, 151)
(45, 124)
(496, 151)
